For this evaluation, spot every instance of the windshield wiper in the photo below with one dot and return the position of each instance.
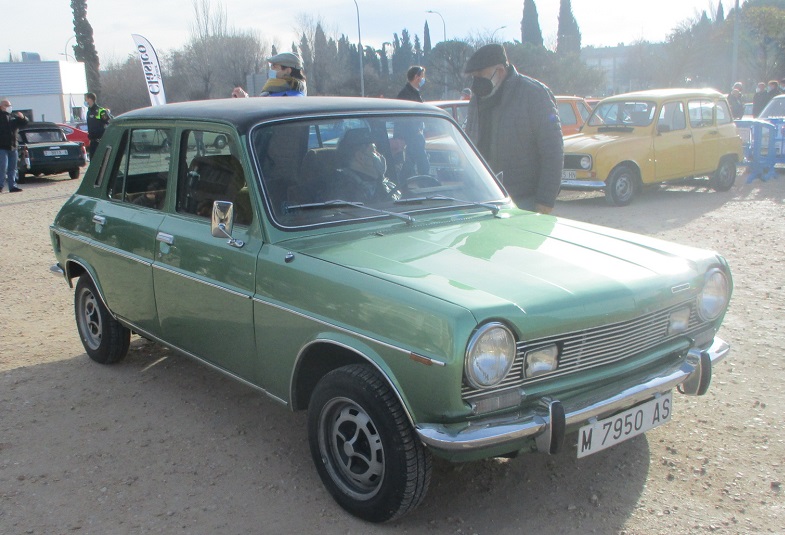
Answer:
(339, 202)
(492, 206)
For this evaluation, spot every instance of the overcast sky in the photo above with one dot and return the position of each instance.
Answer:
(45, 26)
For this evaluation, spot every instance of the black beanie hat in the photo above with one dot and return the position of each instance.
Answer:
(486, 56)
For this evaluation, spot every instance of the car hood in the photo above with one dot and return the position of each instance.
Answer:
(587, 142)
(524, 264)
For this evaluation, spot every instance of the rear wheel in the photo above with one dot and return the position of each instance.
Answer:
(364, 447)
(74, 173)
(725, 175)
(105, 340)
(621, 185)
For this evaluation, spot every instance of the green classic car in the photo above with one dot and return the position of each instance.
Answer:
(410, 316)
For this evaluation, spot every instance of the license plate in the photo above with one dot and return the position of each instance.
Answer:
(568, 175)
(603, 434)
(61, 152)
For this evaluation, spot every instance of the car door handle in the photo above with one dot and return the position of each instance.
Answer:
(99, 220)
(168, 239)
(686, 136)
(714, 132)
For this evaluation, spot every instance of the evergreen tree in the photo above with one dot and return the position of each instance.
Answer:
(84, 49)
(530, 25)
(426, 40)
(720, 17)
(569, 35)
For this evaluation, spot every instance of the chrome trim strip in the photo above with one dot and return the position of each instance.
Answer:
(202, 361)
(501, 431)
(589, 185)
(168, 269)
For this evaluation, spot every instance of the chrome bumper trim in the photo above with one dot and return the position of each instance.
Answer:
(509, 430)
(589, 185)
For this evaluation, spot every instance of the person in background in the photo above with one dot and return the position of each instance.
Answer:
(361, 176)
(760, 99)
(736, 102)
(466, 94)
(416, 158)
(97, 119)
(514, 122)
(10, 123)
(285, 78)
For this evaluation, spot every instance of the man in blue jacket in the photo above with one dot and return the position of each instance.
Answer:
(514, 122)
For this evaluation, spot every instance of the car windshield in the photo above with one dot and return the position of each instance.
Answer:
(624, 113)
(342, 169)
(43, 136)
(775, 108)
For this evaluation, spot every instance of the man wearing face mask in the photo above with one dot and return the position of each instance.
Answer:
(361, 175)
(10, 123)
(285, 78)
(514, 122)
(416, 161)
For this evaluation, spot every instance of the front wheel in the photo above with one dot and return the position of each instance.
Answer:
(725, 175)
(365, 450)
(621, 186)
(105, 340)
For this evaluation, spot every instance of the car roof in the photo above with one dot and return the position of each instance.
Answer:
(40, 125)
(662, 94)
(246, 112)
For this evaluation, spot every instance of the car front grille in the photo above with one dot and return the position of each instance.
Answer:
(598, 346)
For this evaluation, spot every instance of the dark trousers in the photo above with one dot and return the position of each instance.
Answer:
(93, 146)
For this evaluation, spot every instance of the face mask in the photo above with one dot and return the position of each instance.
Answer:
(422, 82)
(272, 73)
(9, 109)
(483, 87)
(86, 104)
(769, 89)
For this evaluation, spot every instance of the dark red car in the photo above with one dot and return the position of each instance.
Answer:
(77, 132)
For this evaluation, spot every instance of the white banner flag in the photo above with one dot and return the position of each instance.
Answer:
(151, 70)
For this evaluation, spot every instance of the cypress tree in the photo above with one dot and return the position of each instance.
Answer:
(530, 25)
(426, 40)
(84, 49)
(569, 35)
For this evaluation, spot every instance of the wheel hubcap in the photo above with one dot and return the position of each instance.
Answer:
(91, 321)
(351, 448)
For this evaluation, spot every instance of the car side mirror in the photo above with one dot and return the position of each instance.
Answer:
(662, 128)
(223, 222)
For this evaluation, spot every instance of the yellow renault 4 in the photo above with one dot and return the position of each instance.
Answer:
(649, 137)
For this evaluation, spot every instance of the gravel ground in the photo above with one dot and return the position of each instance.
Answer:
(160, 444)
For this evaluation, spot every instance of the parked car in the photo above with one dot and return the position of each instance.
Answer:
(573, 112)
(44, 150)
(410, 316)
(775, 108)
(73, 133)
(650, 137)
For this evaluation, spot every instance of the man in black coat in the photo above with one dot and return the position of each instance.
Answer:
(412, 131)
(9, 126)
(514, 122)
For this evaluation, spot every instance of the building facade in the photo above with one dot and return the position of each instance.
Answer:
(45, 90)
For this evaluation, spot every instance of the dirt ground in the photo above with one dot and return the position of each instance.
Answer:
(161, 444)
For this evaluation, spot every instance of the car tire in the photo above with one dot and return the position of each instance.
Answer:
(364, 448)
(219, 142)
(74, 173)
(105, 340)
(621, 186)
(725, 175)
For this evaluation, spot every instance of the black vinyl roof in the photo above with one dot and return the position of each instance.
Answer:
(246, 112)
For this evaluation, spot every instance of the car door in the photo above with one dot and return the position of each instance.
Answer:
(708, 140)
(124, 228)
(204, 285)
(674, 148)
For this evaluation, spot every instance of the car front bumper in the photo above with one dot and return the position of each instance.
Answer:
(548, 425)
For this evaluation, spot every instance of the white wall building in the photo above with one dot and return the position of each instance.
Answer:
(45, 90)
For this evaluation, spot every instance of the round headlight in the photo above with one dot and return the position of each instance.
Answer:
(586, 162)
(714, 296)
(490, 355)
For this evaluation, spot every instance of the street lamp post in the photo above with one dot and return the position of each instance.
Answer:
(360, 50)
(65, 50)
(444, 26)
(496, 30)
